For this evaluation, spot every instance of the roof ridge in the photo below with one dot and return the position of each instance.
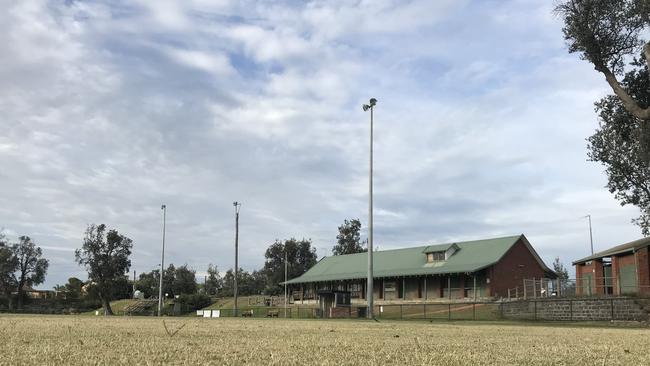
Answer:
(430, 245)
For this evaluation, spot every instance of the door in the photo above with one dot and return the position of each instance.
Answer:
(627, 275)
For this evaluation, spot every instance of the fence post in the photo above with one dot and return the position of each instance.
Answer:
(589, 284)
(424, 310)
(570, 309)
(525, 289)
(473, 311)
(517, 292)
(401, 307)
(534, 288)
(612, 305)
(535, 311)
(449, 312)
(508, 295)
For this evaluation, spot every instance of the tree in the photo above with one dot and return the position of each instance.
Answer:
(349, 239)
(31, 266)
(148, 283)
(560, 270)
(606, 33)
(72, 289)
(622, 145)
(300, 257)
(8, 265)
(105, 255)
(184, 282)
(213, 282)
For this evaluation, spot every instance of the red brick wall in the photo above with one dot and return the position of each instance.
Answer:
(597, 282)
(517, 264)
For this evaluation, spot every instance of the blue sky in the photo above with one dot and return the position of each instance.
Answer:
(110, 109)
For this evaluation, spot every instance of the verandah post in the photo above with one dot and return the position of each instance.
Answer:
(475, 288)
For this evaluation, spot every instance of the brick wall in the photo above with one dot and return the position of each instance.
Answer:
(625, 309)
(517, 264)
(643, 270)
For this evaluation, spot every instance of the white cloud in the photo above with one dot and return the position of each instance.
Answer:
(479, 130)
(216, 64)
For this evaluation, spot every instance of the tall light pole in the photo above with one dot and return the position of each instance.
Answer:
(369, 293)
(237, 207)
(285, 280)
(162, 261)
(591, 236)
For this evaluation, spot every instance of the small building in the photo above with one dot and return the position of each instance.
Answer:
(623, 269)
(453, 271)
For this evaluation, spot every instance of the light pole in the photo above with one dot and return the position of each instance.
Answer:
(591, 236)
(369, 293)
(162, 261)
(285, 280)
(237, 207)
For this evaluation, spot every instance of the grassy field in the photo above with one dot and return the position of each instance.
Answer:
(56, 340)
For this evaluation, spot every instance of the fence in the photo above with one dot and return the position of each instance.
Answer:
(430, 311)
(575, 309)
(538, 288)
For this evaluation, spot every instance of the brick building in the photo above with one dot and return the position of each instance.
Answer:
(623, 269)
(462, 270)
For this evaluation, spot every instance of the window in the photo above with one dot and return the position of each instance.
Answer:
(435, 257)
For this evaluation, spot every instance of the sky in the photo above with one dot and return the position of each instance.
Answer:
(111, 108)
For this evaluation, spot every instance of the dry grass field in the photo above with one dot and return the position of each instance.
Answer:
(84, 340)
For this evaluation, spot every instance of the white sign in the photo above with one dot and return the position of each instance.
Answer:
(199, 313)
(207, 313)
(216, 313)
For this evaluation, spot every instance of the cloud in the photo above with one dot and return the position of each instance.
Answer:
(111, 109)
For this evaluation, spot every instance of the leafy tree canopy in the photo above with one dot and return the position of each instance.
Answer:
(105, 255)
(622, 145)
(300, 257)
(348, 241)
(606, 33)
(32, 267)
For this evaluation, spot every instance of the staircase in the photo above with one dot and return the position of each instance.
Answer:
(141, 307)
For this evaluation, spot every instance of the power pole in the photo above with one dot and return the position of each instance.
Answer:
(369, 290)
(237, 207)
(162, 261)
(591, 236)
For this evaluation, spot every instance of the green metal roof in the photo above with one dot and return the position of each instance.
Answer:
(471, 257)
(619, 249)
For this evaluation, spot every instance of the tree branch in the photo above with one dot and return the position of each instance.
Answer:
(646, 53)
(630, 104)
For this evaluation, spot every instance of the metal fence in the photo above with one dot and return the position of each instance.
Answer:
(536, 288)
(429, 311)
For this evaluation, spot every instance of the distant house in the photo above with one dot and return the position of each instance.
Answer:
(623, 269)
(461, 270)
(37, 294)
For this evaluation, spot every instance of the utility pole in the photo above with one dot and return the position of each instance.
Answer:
(133, 296)
(591, 236)
(369, 290)
(237, 207)
(162, 261)
(285, 279)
